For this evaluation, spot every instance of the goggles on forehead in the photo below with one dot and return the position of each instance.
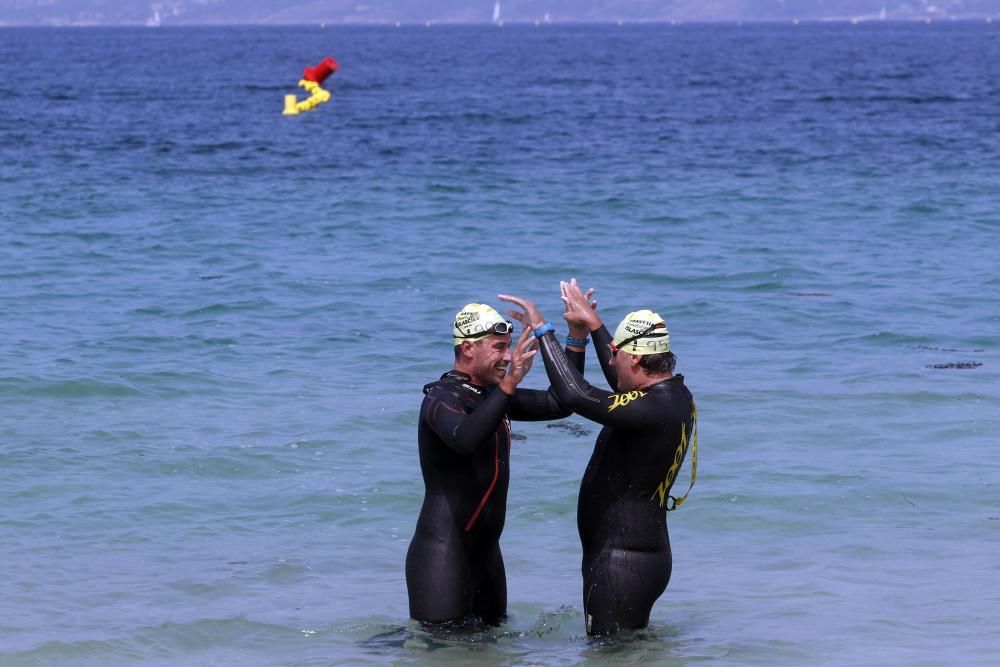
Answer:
(499, 328)
(632, 339)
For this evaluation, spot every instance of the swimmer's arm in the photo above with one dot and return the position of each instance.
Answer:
(467, 432)
(602, 341)
(537, 405)
(626, 411)
(576, 357)
(568, 385)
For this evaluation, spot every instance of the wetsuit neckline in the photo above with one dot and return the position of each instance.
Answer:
(460, 378)
(666, 382)
(464, 378)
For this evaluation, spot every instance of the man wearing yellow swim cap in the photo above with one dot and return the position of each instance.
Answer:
(454, 568)
(649, 422)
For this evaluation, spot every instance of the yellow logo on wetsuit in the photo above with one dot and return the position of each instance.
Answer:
(621, 400)
(664, 487)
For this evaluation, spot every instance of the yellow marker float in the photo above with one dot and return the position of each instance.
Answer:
(312, 80)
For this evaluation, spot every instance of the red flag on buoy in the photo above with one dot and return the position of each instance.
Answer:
(320, 72)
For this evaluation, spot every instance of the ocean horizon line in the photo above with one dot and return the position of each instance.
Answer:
(351, 23)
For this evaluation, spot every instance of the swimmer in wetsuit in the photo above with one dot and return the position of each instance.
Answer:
(648, 425)
(454, 568)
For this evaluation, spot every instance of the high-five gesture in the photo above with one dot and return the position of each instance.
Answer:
(581, 310)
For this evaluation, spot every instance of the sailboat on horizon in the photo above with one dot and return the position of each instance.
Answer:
(496, 13)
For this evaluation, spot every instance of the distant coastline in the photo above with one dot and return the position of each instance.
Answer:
(356, 22)
(499, 13)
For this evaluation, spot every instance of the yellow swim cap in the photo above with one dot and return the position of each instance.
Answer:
(642, 332)
(476, 321)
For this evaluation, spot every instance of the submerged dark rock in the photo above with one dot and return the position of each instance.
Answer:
(956, 364)
(577, 430)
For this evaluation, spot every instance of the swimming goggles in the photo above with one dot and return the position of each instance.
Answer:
(632, 339)
(499, 328)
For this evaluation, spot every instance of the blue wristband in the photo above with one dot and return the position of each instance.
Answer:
(577, 342)
(544, 329)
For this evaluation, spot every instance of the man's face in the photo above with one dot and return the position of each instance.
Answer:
(627, 375)
(490, 357)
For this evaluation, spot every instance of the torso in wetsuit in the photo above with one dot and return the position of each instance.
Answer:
(454, 568)
(621, 511)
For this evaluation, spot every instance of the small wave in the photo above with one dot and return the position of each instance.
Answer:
(149, 310)
(922, 208)
(221, 147)
(879, 99)
(882, 338)
(766, 286)
(663, 220)
(551, 620)
(59, 96)
(131, 142)
(217, 308)
(96, 237)
(448, 188)
(393, 637)
(257, 88)
(77, 388)
(78, 652)
(209, 633)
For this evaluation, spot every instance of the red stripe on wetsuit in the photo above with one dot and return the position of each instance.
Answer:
(496, 476)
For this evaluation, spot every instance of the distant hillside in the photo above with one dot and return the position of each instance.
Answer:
(189, 12)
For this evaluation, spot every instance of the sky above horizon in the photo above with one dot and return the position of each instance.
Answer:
(188, 12)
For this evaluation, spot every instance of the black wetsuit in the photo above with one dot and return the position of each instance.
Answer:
(454, 569)
(621, 513)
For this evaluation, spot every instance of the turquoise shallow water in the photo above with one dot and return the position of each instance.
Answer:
(217, 321)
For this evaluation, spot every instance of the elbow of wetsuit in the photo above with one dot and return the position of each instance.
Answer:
(568, 384)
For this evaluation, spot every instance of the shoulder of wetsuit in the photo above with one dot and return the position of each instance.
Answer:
(675, 383)
(455, 382)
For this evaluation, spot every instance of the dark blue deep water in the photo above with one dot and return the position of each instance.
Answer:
(216, 321)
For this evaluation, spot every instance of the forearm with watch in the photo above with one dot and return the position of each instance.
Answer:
(577, 337)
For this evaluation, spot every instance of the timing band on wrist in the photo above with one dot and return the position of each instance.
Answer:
(577, 342)
(544, 329)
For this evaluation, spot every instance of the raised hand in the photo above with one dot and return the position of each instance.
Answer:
(531, 317)
(581, 310)
(521, 358)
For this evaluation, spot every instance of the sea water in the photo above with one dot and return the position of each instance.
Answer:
(217, 320)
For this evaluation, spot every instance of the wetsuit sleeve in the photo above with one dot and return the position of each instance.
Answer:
(461, 431)
(622, 410)
(602, 342)
(537, 405)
